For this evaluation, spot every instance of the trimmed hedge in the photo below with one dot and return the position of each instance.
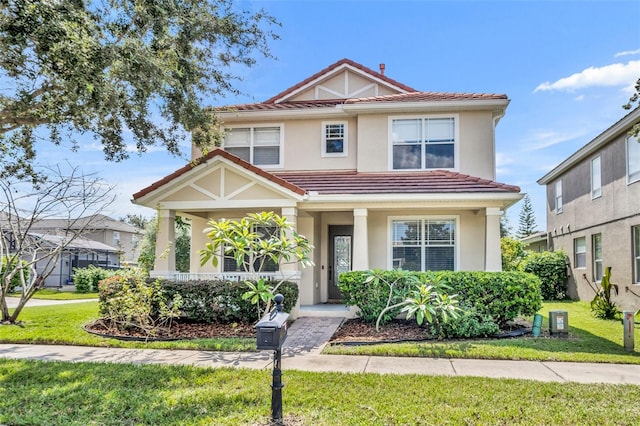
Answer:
(221, 301)
(500, 295)
(87, 279)
(551, 268)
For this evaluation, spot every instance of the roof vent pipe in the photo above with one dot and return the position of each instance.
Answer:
(382, 69)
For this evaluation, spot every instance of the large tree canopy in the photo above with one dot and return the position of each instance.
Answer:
(109, 67)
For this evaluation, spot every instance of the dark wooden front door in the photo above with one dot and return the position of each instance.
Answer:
(340, 254)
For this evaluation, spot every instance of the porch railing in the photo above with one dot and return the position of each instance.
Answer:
(231, 276)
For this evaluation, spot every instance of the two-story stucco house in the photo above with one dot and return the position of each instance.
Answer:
(373, 172)
(593, 212)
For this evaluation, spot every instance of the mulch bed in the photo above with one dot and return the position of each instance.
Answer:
(178, 330)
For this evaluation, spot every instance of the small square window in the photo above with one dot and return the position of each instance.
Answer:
(334, 139)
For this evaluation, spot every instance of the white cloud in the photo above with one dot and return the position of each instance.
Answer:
(606, 76)
(546, 138)
(627, 53)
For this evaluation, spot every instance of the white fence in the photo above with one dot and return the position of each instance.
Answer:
(232, 276)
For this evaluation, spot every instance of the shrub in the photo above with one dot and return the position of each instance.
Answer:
(513, 253)
(501, 295)
(602, 305)
(221, 301)
(86, 279)
(127, 302)
(551, 268)
(7, 267)
(470, 323)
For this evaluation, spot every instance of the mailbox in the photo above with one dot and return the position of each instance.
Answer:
(271, 330)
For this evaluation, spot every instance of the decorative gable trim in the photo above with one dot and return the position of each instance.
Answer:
(343, 65)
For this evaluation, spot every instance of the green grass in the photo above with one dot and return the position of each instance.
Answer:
(58, 393)
(590, 340)
(62, 324)
(49, 294)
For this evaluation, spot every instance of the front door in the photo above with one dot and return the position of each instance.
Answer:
(340, 253)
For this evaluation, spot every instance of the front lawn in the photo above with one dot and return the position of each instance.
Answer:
(590, 340)
(58, 393)
(62, 325)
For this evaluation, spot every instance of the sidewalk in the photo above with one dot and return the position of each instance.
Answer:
(302, 351)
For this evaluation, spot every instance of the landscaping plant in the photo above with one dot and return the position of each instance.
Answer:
(602, 304)
(255, 241)
(551, 268)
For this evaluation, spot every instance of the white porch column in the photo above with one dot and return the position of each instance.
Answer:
(492, 257)
(165, 244)
(360, 240)
(291, 214)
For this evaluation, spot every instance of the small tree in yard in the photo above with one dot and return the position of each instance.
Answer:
(253, 242)
(31, 257)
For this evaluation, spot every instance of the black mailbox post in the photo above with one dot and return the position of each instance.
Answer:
(271, 332)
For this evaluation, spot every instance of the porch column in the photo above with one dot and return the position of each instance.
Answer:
(360, 240)
(493, 259)
(291, 214)
(165, 244)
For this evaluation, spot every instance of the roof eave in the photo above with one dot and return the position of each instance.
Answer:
(281, 114)
(453, 105)
(587, 150)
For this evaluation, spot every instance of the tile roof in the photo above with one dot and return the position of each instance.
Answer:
(330, 68)
(352, 182)
(424, 182)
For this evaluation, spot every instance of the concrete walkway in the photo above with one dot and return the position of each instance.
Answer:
(302, 351)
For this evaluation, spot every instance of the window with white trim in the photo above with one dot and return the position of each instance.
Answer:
(596, 241)
(261, 146)
(559, 197)
(633, 159)
(635, 231)
(580, 253)
(334, 139)
(596, 178)
(116, 238)
(263, 264)
(423, 143)
(423, 244)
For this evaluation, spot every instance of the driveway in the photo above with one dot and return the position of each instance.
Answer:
(12, 302)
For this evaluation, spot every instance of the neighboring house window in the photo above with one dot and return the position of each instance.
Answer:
(579, 252)
(134, 241)
(636, 254)
(257, 145)
(116, 238)
(423, 244)
(597, 257)
(558, 197)
(334, 139)
(423, 143)
(633, 159)
(596, 178)
(229, 263)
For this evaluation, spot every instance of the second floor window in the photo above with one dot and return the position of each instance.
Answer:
(334, 139)
(633, 159)
(423, 143)
(596, 178)
(559, 196)
(256, 145)
(116, 238)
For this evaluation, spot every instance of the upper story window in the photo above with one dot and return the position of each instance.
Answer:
(134, 241)
(423, 143)
(596, 178)
(116, 238)
(558, 197)
(261, 146)
(633, 159)
(334, 139)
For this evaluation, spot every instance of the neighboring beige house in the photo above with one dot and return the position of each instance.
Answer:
(536, 242)
(120, 236)
(374, 173)
(593, 212)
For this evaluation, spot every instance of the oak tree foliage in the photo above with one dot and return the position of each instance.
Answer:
(119, 70)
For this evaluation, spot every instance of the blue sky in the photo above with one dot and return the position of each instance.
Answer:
(567, 68)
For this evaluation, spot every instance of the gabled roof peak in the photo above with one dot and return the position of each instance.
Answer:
(334, 68)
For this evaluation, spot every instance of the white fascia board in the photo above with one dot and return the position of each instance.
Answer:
(466, 105)
(475, 199)
(281, 114)
(195, 206)
(590, 148)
